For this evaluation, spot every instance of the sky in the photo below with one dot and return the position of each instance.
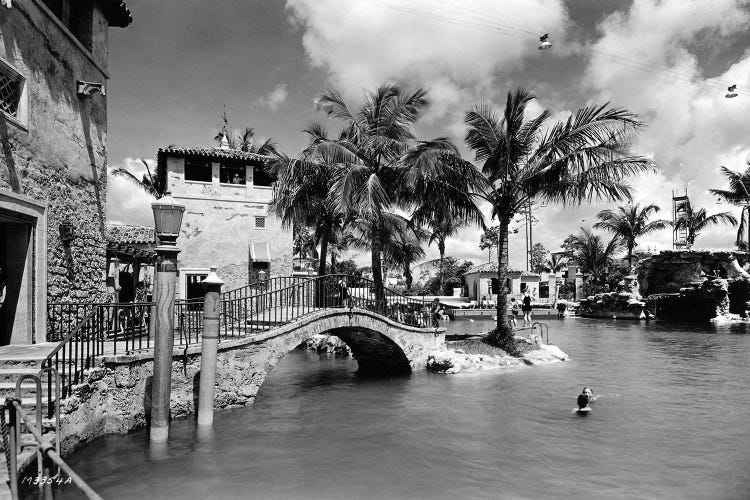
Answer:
(174, 71)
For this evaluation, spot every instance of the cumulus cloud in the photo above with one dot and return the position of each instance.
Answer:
(692, 128)
(275, 97)
(127, 203)
(423, 44)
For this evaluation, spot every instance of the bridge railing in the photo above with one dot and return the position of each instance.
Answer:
(87, 331)
(268, 308)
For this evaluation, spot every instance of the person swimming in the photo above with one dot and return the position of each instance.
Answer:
(585, 398)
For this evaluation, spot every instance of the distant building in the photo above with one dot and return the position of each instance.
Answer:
(53, 157)
(227, 222)
(481, 281)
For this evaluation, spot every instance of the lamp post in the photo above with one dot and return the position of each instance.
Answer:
(167, 221)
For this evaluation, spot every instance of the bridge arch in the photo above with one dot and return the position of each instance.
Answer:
(380, 346)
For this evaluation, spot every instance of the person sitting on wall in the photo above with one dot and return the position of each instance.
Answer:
(436, 311)
(236, 179)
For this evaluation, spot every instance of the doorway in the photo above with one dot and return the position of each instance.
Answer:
(16, 281)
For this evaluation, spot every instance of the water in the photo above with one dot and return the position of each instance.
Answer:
(671, 421)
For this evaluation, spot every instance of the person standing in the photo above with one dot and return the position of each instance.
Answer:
(514, 310)
(526, 308)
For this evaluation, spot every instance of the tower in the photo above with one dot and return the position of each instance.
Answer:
(680, 208)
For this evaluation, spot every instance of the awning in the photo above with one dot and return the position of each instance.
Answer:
(259, 252)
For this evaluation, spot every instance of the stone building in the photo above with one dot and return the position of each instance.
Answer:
(227, 223)
(53, 135)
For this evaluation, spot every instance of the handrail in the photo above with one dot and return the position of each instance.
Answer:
(49, 451)
(69, 336)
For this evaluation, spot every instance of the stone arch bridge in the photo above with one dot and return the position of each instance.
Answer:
(388, 334)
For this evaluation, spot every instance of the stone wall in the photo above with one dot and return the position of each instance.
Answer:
(612, 305)
(669, 271)
(59, 154)
(115, 398)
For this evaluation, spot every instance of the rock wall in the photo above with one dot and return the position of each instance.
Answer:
(698, 303)
(669, 271)
(58, 152)
(612, 305)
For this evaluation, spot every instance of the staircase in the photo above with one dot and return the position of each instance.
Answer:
(15, 362)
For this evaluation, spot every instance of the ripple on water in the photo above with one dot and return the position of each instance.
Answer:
(670, 422)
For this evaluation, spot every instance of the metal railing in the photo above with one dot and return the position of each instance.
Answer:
(87, 331)
(49, 453)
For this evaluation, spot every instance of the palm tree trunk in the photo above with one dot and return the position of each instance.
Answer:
(441, 248)
(408, 276)
(333, 263)
(324, 250)
(502, 335)
(377, 270)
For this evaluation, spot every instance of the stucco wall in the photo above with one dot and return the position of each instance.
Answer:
(60, 156)
(219, 225)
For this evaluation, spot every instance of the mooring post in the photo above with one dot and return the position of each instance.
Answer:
(161, 388)
(167, 222)
(211, 310)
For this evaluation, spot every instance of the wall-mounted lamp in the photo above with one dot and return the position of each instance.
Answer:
(66, 233)
(85, 89)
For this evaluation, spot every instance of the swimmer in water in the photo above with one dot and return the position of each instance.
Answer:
(585, 398)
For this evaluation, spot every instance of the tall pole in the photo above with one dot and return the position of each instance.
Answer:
(531, 240)
(211, 310)
(166, 279)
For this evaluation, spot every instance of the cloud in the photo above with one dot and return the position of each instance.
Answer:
(127, 203)
(275, 98)
(434, 44)
(692, 128)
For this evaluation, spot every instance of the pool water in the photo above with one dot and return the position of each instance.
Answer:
(671, 421)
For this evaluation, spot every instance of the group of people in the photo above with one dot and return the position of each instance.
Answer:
(415, 315)
(524, 307)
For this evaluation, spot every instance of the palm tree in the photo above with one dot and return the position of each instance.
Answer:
(593, 254)
(738, 194)
(244, 140)
(380, 162)
(303, 192)
(694, 222)
(403, 251)
(630, 223)
(583, 158)
(154, 184)
(555, 264)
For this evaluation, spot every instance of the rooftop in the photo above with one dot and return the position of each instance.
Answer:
(491, 267)
(132, 235)
(117, 13)
(214, 152)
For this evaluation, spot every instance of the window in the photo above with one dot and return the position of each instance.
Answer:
(193, 286)
(260, 222)
(77, 16)
(493, 286)
(261, 177)
(197, 171)
(232, 174)
(544, 290)
(12, 93)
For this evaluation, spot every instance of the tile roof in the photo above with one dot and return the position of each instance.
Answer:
(234, 154)
(117, 13)
(133, 235)
(491, 267)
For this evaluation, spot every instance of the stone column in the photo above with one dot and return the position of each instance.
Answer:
(552, 285)
(164, 292)
(209, 344)
(579, 285)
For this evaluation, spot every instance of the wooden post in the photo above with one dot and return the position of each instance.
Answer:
(166, 282)
(211, 312)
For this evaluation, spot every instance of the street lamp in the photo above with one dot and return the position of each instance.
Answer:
(167, 221)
